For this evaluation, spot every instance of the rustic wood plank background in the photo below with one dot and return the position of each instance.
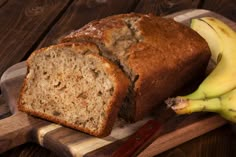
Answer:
(29, 24)
(81, 12)
(23, 25)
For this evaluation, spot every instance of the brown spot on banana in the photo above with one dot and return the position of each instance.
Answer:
(232, 110)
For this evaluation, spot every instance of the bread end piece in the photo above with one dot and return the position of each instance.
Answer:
(72, 85)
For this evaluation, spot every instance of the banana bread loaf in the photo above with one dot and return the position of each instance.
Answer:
(72, 85)
(125, 63)
(158, 55)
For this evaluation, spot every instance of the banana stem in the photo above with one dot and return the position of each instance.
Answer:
(187, 106)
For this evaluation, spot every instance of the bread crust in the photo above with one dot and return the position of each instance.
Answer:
(156, 57)
(165, 56)
(120, 83)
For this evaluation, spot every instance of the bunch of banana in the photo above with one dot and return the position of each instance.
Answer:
(217, 93)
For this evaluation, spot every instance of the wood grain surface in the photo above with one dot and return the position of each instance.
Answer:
(218, 143)
(223, 7)
(27, 25)
(164, 7)
(23, 25)
(80, 12)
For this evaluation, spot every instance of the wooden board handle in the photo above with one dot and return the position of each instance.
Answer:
(14, 131)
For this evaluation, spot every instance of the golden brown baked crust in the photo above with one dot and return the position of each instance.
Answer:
(121, 83)
(161, 57)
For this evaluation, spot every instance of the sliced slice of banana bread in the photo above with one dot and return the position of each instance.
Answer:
(72, 85)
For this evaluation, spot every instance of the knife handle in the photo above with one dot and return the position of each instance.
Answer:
(139, 140)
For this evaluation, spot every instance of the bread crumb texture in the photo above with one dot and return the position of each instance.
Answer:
(70, 86)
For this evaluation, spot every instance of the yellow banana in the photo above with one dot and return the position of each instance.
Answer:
(217, 93)
(222, 42)
(224, 105)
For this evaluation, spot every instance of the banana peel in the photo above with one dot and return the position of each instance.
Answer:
(224, 105)
(217, 92)
(222, 43)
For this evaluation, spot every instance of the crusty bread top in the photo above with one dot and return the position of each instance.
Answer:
(154, 52)
(156, 39)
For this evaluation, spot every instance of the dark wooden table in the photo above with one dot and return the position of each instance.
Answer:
(30, 24)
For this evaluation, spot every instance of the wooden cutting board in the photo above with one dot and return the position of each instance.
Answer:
(21, 128)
